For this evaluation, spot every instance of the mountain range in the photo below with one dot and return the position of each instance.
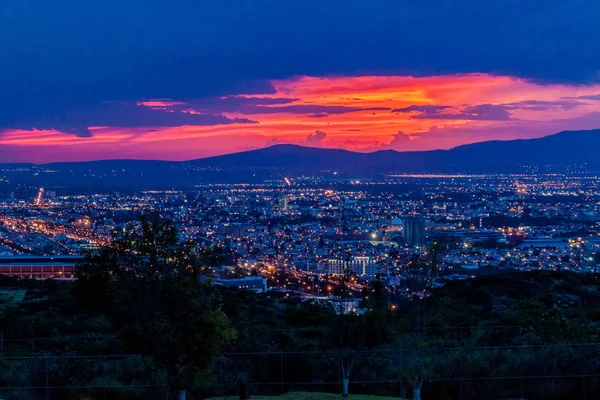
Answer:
(275, 162)
(564, 148)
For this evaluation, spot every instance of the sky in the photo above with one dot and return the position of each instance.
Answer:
(189, 79)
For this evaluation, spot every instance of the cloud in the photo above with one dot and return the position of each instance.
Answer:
(428, 109)
(76, 121)
(485, 112)
(65, 58)
(315, 139)
(257, 105)
(586, 97)
(307, 109)
(79, 131)
(234, 103)
(401, 141)
(481, 112)
(65, 62)
(539, 105)
(272, 142)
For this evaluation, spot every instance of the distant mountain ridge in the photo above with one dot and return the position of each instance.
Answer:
(564, 148)
(561, 149)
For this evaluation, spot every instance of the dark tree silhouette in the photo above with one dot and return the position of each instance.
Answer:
(149, 284)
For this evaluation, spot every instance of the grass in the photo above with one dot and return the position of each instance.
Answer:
(311, 396)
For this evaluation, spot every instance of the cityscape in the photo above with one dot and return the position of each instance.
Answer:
(300, 200)
(311, 231)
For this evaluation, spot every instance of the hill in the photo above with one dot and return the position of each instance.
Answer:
(564, 148)
(275, 162)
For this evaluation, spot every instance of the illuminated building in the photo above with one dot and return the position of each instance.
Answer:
(254, 283)
(34, 267)
(361, 266)
(336, 267)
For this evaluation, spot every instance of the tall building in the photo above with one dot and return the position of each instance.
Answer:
(414, 231)
(282, 203)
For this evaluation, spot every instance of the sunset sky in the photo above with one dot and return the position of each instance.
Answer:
(149, 80)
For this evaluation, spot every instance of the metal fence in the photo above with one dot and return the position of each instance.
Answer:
(466, 371)
(483, 372)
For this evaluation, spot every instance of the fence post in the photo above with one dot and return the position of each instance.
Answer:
(462, 355)
(584, 374)
(47, 387)
(281, 369)
(521, 360)
(339, 363)
(104, 372)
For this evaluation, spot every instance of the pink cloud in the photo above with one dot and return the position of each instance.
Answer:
(358, 113)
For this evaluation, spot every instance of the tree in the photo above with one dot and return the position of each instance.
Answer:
(414, 365)
(354, 331)
(348, 331)
(149, 284)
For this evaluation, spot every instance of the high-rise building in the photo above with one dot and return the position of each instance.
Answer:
(414, 230)
(282, 202)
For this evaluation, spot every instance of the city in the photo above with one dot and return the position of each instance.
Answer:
(312, 231)
(299, 200)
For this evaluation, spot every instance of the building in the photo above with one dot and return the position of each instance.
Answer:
(34, 267)
(361, 266)
(346, 306)
(414, 231)
(336, 267)
(254, 283)
(282, 203)
(515, 239)
(544, 243)
(236, 230)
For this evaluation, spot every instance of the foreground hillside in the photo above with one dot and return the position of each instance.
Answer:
(482, 335)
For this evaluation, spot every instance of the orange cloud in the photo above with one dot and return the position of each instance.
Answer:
(353, 112)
